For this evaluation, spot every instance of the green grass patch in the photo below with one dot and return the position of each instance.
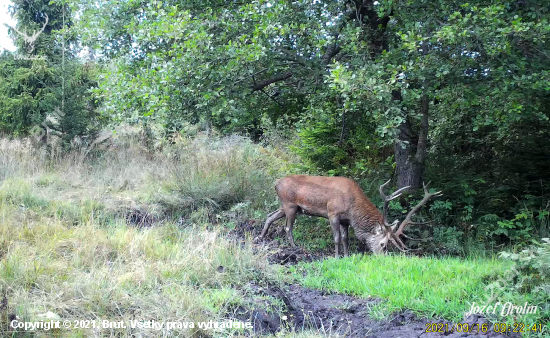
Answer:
(20, 192)
(27, 197)
(122, 273)
(442, 287)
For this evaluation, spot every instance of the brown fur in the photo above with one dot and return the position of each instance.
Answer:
(338, 199)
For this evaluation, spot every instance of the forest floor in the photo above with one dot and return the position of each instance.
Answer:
(335, 313)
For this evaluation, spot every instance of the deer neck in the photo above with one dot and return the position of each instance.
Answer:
(365, 217)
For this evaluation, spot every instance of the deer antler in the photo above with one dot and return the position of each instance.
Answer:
(395, 237)
(387, 200)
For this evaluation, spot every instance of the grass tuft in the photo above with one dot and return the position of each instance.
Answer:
(122, 273)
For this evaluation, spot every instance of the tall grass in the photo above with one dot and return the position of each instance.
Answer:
(67, 251)
(186, 175)
(218, 173)
(121, 273)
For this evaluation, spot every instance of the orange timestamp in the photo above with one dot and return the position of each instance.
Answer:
(483, 328)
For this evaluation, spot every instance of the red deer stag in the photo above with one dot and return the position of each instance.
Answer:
(342, 202)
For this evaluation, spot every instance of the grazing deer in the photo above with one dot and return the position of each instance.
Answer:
(342, 202)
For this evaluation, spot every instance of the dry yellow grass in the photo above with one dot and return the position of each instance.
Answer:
(65, 253)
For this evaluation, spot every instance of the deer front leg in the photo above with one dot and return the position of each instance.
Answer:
(335, 225)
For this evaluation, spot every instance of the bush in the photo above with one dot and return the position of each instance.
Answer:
(526, 281)
(217, 173)
(531, 271)
(449, 240)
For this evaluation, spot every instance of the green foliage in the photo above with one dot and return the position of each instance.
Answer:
(354, 82)
(531, 270)
(448, 239)
(202, 72)
(24, 99)
(425, 285)
(526, 281)
(48, 87)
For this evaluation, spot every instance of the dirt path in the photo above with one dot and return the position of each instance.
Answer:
(336, 313)
(347, 316)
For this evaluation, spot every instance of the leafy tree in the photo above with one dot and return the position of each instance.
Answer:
(45, 77)
(454, 91)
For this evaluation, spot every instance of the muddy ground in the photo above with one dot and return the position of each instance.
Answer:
(330, 313)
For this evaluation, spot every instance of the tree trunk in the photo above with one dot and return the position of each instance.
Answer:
(410, 151)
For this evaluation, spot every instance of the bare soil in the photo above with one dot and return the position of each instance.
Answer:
(348, 316)
(333, 313)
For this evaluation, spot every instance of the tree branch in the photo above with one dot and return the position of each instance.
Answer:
(271, 97)
(279, 77)
(251, 76)
(330, 53)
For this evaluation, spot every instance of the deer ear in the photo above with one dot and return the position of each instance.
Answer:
(379, 229)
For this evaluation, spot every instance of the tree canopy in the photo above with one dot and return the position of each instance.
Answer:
(448, 91)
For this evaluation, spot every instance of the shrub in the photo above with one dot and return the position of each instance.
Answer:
(526, 281)
(218, 173)
(531, 271)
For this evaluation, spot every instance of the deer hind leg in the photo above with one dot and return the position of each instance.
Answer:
(272, 217)
(335, 225)
(345, 238)
(290, 213)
